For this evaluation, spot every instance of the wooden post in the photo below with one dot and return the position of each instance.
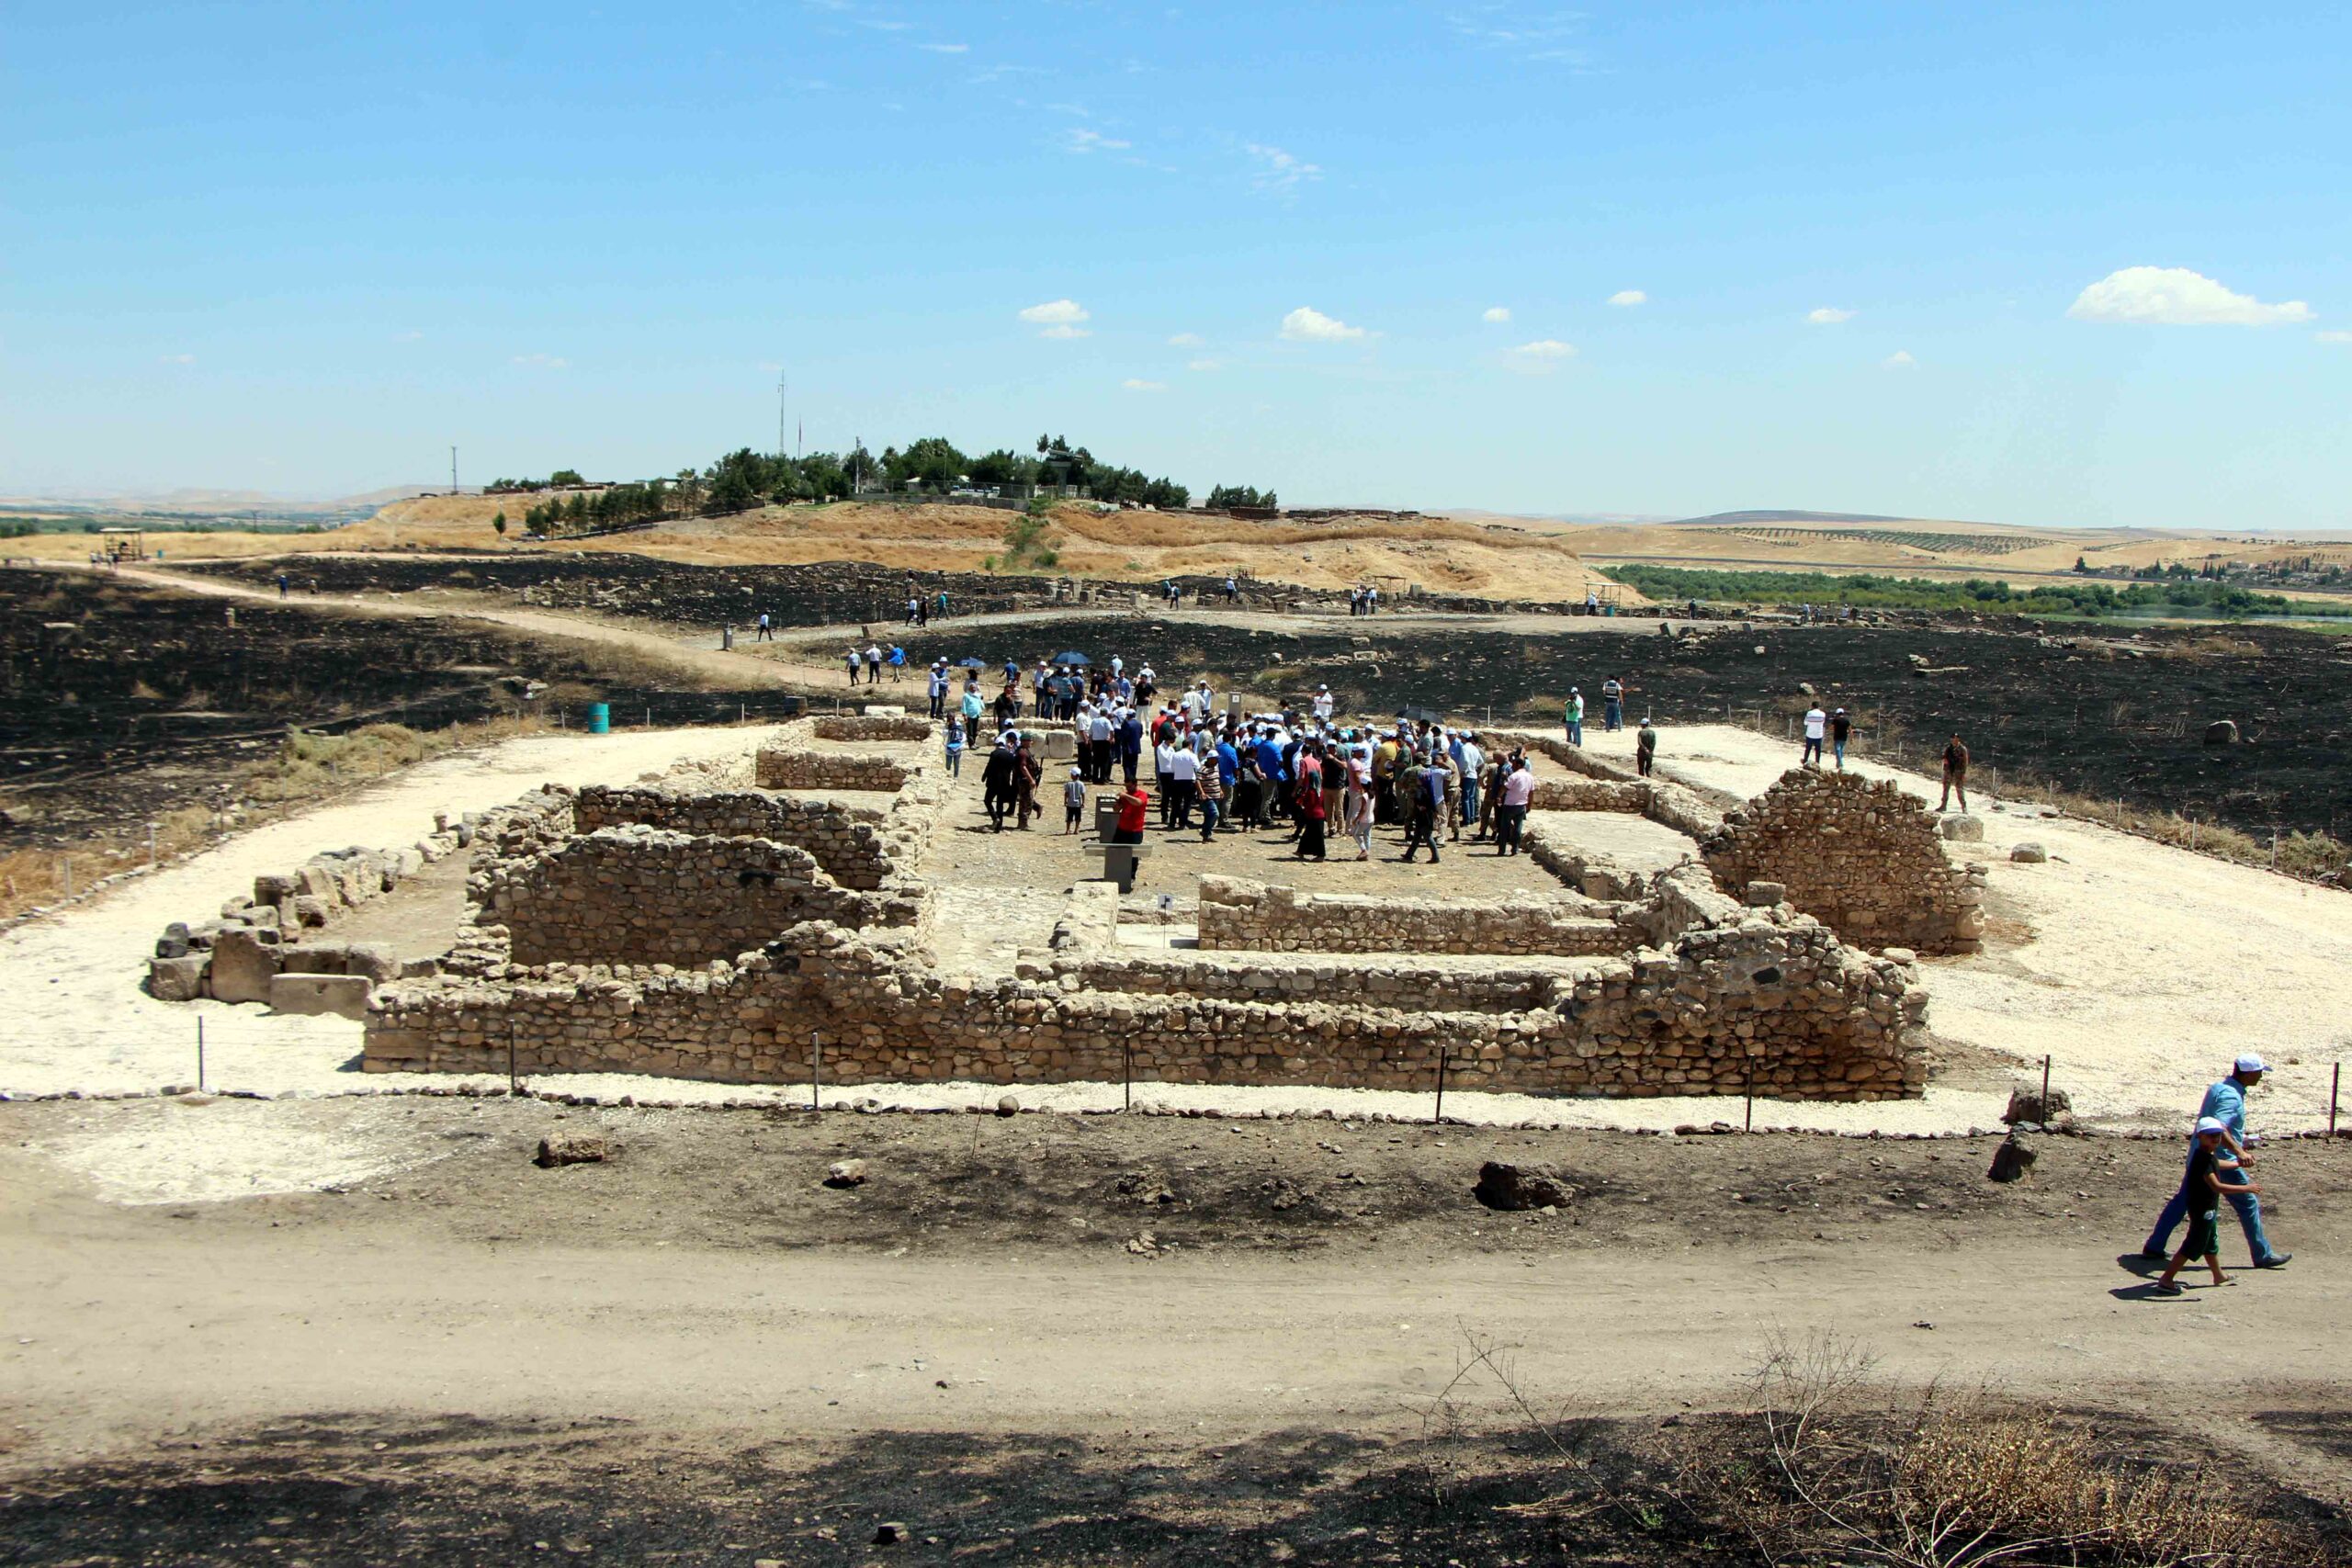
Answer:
(199, 1054)
(1440, 1115)
(2045, 1091)
(816, 1069)
(2335, 1089)
(1127, 1053)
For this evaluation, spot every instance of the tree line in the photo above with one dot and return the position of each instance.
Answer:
(931, 465)
(2183, 593)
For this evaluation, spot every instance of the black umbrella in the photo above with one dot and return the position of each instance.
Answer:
(1422, 716)
(1067, 657)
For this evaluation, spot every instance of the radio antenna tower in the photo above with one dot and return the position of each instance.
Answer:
(780, 384)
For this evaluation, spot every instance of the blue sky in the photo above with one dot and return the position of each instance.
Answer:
(305, 248)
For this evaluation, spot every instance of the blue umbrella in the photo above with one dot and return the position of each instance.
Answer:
(971, 664)
(1067, 657)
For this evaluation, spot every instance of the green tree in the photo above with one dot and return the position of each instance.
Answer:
(566, 476)
(499, 522)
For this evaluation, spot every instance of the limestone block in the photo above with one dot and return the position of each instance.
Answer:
(2029, 853)
(243, 968)
(1963, 828)
(311, 996)
(270, 887)
(315, 958)
(315, 880)
(1061, 745)
(311, 909)
(376, 960)
(178, 979)
(1764, 895)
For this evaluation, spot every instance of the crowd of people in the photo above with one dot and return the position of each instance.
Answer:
(1215, 768)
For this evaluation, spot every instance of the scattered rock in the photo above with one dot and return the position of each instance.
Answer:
(1764, 895)
(1512, 1187)
(572, 1148)
(2029, 853)
(893, 1533)
(1963, 827)
(376, 960)
(2027, 1105)
(846, 1173)
(2222, 732)
(312, 996)
(243, 968)
(1009, 1106)
(1143, 1244)
(2013, 1159)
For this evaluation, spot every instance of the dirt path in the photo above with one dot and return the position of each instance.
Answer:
(691, 655)
(114, 1344)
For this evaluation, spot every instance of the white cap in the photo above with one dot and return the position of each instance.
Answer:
(2251, 1064)
(2211, 1124)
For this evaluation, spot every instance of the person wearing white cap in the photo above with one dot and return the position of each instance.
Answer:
(1323, 705)
(1073, 802)
(2211, 1177)
(2224, 1105)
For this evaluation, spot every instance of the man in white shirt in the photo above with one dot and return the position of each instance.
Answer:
(1323, 705)
(1183, 777)
(1816, 724)
(1097, 732)
(1198, 703)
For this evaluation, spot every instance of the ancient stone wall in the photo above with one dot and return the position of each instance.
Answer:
(872, 726)
(1861, 857)
(1772, 1000)
(859, 846)
(1239, 914)
(790, 767)
(649, 896)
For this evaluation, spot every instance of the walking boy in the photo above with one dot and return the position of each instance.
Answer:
(1816, 724)
(1073, 802)
(1955, 773)
(2211, 1171)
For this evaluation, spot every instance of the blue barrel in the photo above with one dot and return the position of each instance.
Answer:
(600, 718)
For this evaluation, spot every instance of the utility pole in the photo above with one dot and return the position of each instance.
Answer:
(780, 384)
(453, 470)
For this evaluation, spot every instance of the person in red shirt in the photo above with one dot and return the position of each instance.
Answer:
(1308, 801)
(1135, 802)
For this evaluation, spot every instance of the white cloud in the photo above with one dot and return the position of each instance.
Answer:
(1547, 349)
(2333, 337)
(1064, 330)
(1078, 140)
(1899, 360)
(1306, 324)
(2175, 296)
(1186, 340)
(1279, 172)
(1496, 315)
(1055, 313)
(541, 361)
(412, 335)
(945, 48)
(1204, 364)
(1137, 384)
(1626, 298)
(178, 360)
(1828, 316)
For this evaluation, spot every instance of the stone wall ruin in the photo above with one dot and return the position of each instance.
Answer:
(1862, 857)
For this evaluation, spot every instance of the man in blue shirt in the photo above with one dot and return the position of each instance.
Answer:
(2224, 1102)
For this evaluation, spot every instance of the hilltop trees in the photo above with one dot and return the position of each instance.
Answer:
(930, 465)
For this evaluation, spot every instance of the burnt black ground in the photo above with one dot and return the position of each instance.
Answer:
(120, 702)
(1457, 1484)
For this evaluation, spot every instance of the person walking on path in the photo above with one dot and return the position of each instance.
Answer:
(2225, 1103)
(897, 664)
(1841, 730)
(763, 634)
(1817, 727)
(281, 585)
(1208, 793)
(998, 785)
(1073, 802)
(1955, 773)
(1130, 742)
(936, 686)
(2211, 1177)
(1645, 748)
(972, 708)
(873, 664)
(1474, 773)
(849, 659)
(1576, 717)
(954, 745)
(1510, 815)
(1612, 704)
(1182, 774)
(1026, 772)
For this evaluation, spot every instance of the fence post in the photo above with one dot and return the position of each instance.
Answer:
(2334, 1089)
(511, 1086)
(1439, 1116)
(199, 1054)
(2045, 1091)
(816, 1067)
(1128, 1055)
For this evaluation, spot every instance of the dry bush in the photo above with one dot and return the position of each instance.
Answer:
(1832, 1468)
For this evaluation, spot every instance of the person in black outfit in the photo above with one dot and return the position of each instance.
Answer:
(999, 782)
(2210, 1169)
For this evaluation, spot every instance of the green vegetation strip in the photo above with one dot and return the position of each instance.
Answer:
(1868, 591)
